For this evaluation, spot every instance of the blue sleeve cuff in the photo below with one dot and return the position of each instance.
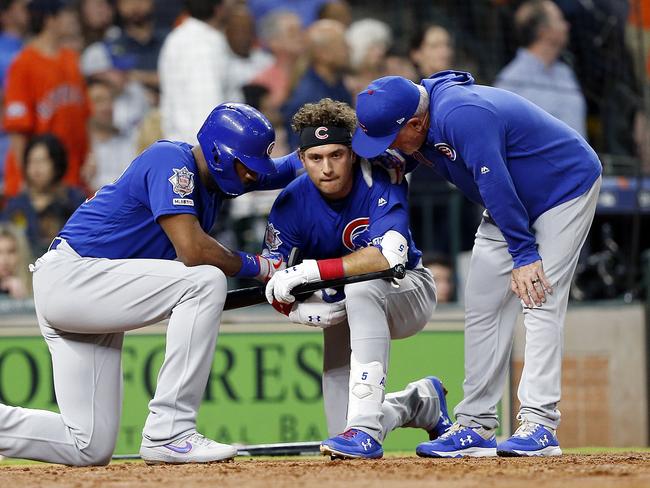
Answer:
(250, 265)
(528, 257)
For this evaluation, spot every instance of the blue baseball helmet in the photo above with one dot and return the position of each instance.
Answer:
(235, 131)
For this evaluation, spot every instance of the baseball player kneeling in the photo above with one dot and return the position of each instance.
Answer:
(348, 219)
(136, 253)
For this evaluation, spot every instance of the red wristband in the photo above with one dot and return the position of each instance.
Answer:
(331, 269)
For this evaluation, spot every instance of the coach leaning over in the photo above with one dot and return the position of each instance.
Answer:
(538, 180)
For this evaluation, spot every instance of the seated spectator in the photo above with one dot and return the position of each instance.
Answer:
(46, 203)
(246, 60)
(96, 18)
(281, 33)
(128, 60)
(55, 104)
(15, 278)
(110, 150)
(328, 61)
(138, 45)
(338, 10)
(443, 274)
(369, 41)
(432, 50)
(400, 65)
(536, 73)
(131, 99)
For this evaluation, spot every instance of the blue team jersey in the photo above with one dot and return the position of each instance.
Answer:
(504, 153)
(121, 220)
(324, 229)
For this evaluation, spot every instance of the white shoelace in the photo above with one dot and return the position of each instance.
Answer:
(455, 428)
(526, 429)
(199, 440)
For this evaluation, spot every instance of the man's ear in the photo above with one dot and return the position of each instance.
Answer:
(419, 124)
(301, 155)
(415, 123)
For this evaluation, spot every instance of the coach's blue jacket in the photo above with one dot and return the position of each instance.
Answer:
(504, 153)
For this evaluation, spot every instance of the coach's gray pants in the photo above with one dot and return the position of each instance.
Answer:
(84, 306)
(378, 312)
(491, 311)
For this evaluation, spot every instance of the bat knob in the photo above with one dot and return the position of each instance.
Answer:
(399, 271)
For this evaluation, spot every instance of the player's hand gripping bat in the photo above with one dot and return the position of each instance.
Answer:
(244, 297)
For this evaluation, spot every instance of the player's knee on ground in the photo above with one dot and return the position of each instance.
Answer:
(98, 451)
(95, 455)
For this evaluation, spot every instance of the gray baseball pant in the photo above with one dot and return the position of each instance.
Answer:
(491, 311)
(84, 306)
(377, 313)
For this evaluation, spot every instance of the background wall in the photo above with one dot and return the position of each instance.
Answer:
(604, 380)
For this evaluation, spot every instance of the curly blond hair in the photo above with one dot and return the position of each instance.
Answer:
(325, 112)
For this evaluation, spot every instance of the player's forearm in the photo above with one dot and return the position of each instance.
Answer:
(212, 252)
(364, 260)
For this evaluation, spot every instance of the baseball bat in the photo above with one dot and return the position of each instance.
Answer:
(244, 297)
(279, 449)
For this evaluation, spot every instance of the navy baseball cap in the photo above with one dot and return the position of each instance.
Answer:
(382, 110)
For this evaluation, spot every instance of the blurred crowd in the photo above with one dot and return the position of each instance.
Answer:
(86, 85)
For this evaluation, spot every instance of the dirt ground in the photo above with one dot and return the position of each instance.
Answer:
(592, 471)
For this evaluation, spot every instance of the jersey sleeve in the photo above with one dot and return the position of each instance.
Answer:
(19, 113)
(479, 136)
(288, 168)
(282, 232)
(388, 207)
(169, 182)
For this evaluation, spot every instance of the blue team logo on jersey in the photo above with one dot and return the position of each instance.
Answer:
(355, 234)
(182, 181)
(272, 238)
(446, 149)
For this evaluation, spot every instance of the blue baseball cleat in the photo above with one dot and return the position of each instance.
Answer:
(352, 444)
(459, 441)
(444, 422)
(530, 439)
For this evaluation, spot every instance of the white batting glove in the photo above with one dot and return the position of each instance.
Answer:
(393, 163)
(281, 283)
(318, 313)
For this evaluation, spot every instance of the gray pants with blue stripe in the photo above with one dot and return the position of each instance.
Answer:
(84, 306)
(491, 312)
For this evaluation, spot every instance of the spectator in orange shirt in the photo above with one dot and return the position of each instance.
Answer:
(45, 92)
